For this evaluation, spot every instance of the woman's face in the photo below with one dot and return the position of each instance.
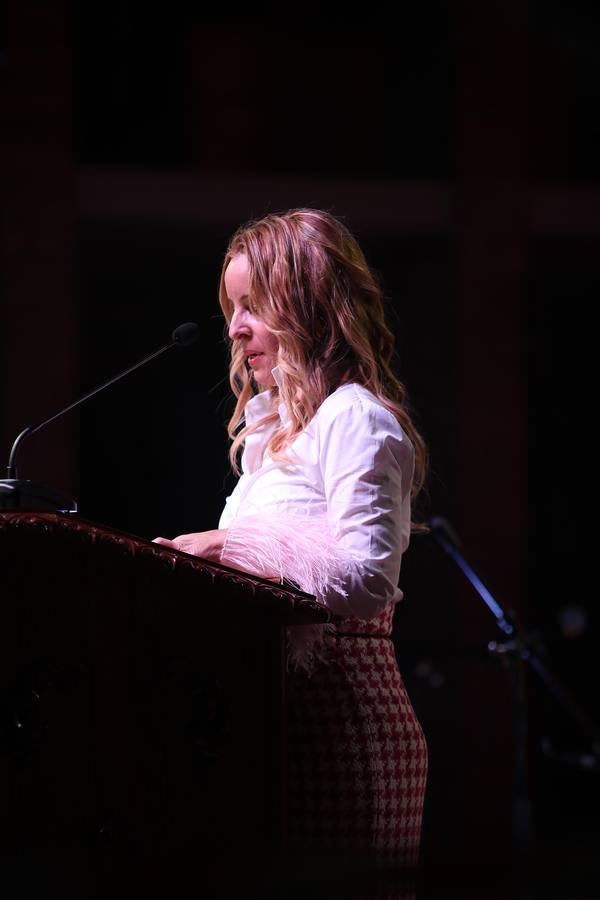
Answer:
(259, 344)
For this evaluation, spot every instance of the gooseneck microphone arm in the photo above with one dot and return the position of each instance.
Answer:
(182, 336)
(31, 429)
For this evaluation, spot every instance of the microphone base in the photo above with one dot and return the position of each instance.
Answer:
(26, 496)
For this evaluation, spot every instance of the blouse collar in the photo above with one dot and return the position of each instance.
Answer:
(260, 405)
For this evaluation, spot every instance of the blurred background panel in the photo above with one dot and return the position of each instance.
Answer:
(459, 141)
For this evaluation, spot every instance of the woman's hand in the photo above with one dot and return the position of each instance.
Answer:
(207, 544)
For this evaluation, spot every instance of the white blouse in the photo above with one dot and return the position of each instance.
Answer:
(344, 495)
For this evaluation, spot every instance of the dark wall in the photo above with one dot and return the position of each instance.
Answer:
(461, 146)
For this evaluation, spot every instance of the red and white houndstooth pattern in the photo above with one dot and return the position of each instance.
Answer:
(357, 763)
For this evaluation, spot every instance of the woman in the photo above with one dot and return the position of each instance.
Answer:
(330, 463)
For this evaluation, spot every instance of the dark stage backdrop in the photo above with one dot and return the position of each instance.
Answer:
(462, 147)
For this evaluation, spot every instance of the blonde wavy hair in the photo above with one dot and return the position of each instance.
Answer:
(311, 286)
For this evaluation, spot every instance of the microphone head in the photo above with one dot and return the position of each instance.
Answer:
(186, 334)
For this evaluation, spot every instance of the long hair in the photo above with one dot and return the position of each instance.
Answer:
(311, 286)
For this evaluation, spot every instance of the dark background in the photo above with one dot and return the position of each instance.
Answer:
(459, 141)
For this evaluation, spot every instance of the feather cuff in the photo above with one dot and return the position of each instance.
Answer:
(298, 549)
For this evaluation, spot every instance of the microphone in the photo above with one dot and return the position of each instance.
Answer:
(16, 494)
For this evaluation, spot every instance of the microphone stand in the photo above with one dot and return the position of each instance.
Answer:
(518, 649)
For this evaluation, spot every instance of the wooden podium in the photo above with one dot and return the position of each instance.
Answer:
(142, 710)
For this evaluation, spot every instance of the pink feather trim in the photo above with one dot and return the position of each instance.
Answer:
(298, 549)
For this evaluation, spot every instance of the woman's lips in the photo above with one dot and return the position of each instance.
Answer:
(252, 357)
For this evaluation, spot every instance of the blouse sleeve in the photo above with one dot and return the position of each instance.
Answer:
(350, 558)
(367, 468)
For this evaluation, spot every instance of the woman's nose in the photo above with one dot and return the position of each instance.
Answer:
(239, 327)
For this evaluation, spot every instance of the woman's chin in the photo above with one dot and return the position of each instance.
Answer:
(263, 376)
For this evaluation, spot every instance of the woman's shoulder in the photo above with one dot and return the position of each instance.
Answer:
(356, 400)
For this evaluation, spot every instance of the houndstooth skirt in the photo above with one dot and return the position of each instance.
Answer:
(357, 761)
